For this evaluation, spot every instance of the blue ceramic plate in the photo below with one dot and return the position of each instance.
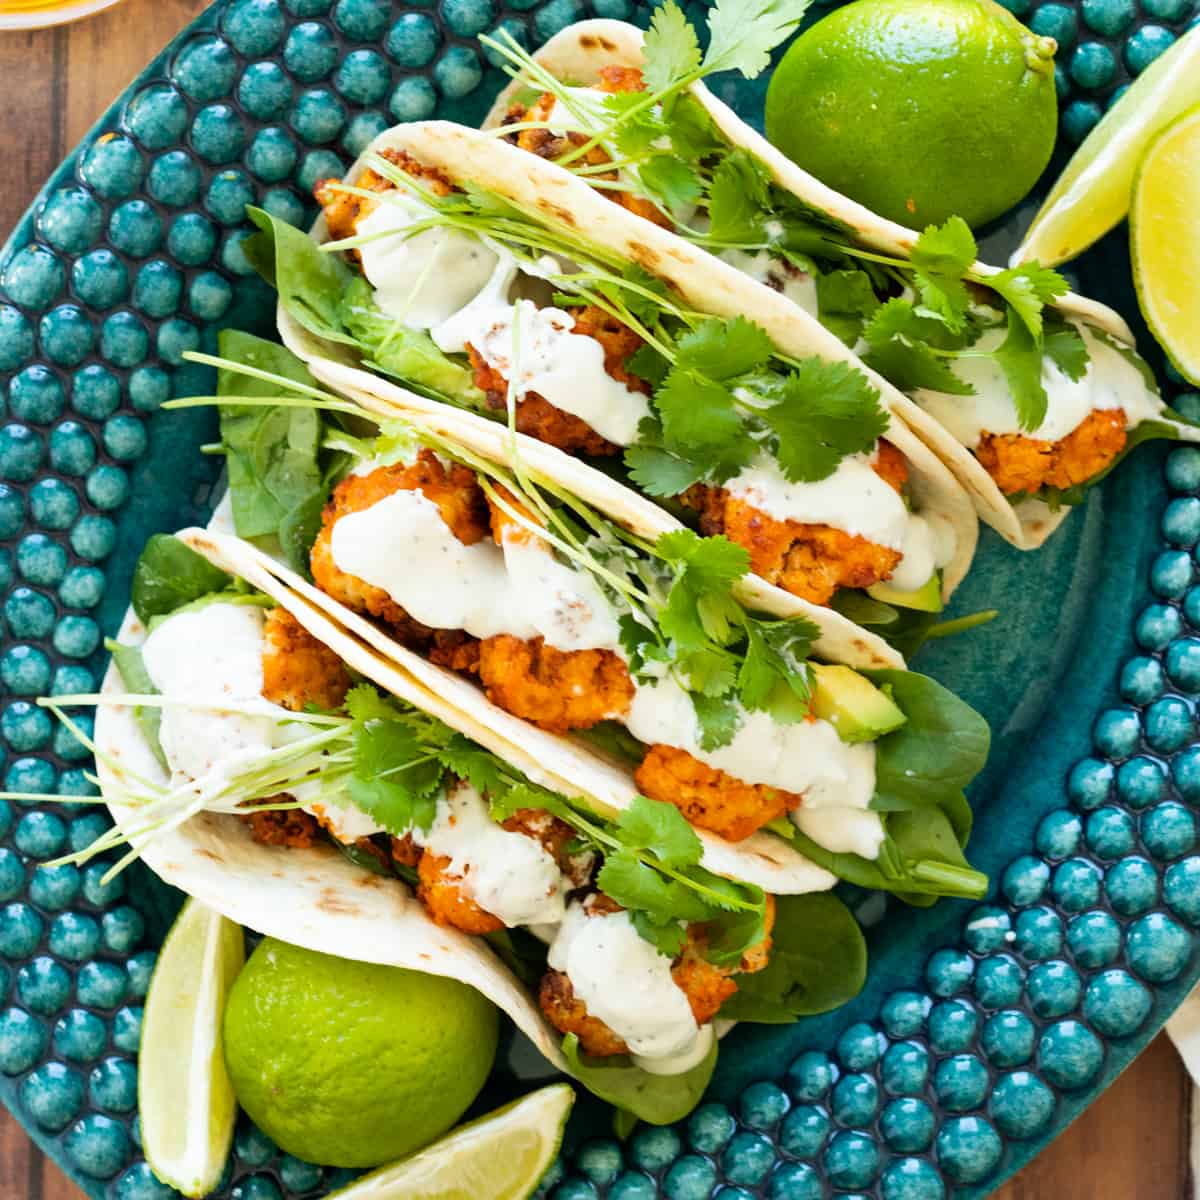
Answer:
(982, 1030)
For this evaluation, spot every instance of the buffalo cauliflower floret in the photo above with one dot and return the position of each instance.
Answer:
(298, 670)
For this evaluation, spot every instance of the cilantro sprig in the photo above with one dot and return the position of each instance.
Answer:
(722, 393)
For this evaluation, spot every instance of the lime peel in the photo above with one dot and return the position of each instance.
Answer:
(1165, 241)
(185, 1099)
(1093, 192)
(500, 1156)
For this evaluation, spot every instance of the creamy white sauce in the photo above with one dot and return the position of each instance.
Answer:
(798, 286)
(842, 830)
(507, 874)
(626, 983)
(212, 654)
(805, 757)
(208, 655)
(402, 545)
(854, 499)
(423, 279)
(536, 351)
(1110, 381)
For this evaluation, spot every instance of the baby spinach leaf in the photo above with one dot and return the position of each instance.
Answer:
(658, 1099)
(310, 282)
(136, 678)
(818, 962)
(409, 355)
(940, 748)
(169, 575)
(272, 453)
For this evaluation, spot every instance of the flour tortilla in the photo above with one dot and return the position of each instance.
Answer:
(557, 198)
(578, 53)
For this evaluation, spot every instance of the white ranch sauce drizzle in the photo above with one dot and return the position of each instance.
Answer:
(402, 545)
(1111, 381)
(456, 285)
(807, 756)
(215, 653)
(424, 279)
(798, 286)
(508, 874)
(627, 984)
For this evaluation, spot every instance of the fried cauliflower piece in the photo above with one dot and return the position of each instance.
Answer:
(568, 1014)
(549, 145)
(708, 797)
(343, 211)
(446, 900)
(443, 893)
(290, 827)
(537, 417)
(1023, 465)
(298, 670)
(460, 500)
(706, 985)
(558, 690)
(810, 561)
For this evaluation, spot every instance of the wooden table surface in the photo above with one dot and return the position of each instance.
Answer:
(1131, 1145)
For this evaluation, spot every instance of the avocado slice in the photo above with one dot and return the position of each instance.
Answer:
(927, 598)
(853, 705)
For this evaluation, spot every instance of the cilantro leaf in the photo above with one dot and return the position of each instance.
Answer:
(660, 827)
(774, 671)
(718, 719)
(941, 257)
(846, 300)
(659, 472)
(469, 761)
(1027, 289)
(742, 33)
(671, 50)
(738, 201)
(634, 884)
(701, 422)
(691, 130)
(912, 365)
(1064, 346)
(673, 182)
(826, 411)
(724, 349)
(667, 935)
(700, 605)
(1020, 357)
(634, 133)
(709, 671)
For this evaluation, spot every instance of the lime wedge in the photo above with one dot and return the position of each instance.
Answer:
(1165, 241)
(501, 1156)
(185, 1098)
(1093, 193)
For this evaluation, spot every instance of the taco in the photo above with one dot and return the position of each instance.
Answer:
(1030, 394)
(679, 376)
(631, 653)
(260, 758)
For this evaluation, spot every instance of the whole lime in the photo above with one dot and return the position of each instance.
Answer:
(919, 109)
(350, 1064)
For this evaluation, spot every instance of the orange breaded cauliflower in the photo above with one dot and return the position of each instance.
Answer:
(459, 498)
(298, 670)
(708, 797)
(558, 690)
(810, 561)
(290, 827)
(343, 210)
(1023, 465)
(706, 985)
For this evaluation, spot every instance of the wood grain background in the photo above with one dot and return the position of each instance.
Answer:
(1131, 1145)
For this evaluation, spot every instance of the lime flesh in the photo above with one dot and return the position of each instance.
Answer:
(352, 1064)
(499, 1157)
(185, 1098)
(1165, 241)
(918, 109)
(1093, 193)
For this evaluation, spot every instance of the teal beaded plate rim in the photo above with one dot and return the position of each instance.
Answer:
(983, 1029)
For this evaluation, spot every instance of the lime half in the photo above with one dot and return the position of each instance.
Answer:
(502, 1156)
(1093, 193)
(185, 1098)
(1165, 241)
